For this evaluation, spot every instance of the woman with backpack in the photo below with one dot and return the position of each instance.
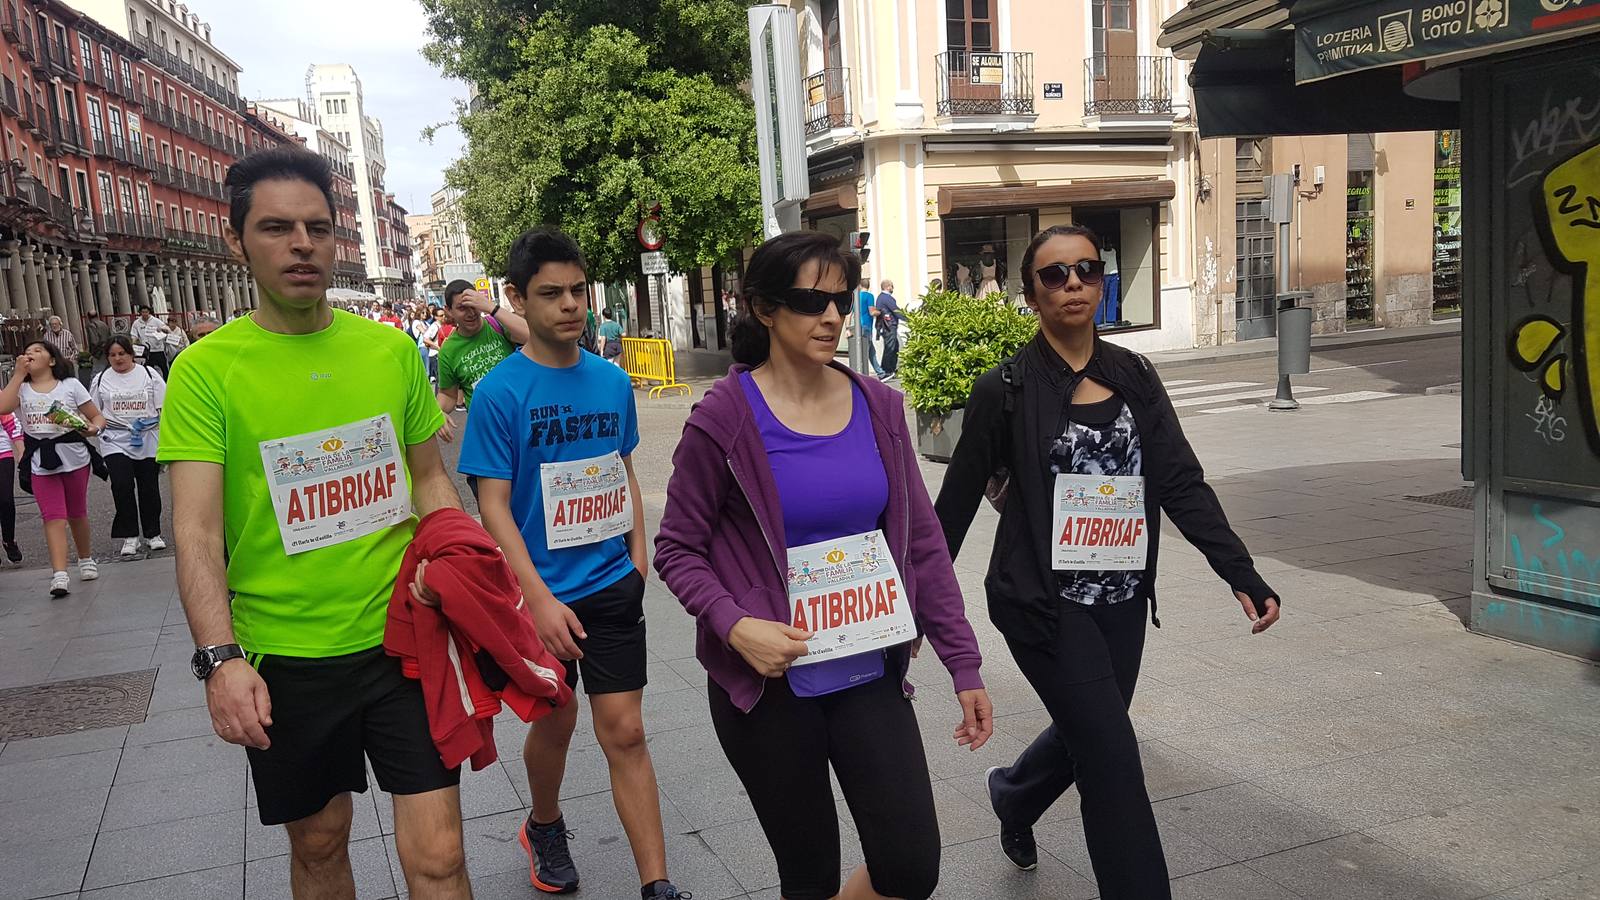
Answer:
(1088, 448)
(796, 509)
(58, 419)
(131, 396)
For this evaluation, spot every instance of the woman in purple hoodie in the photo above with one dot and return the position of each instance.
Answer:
(799, 534)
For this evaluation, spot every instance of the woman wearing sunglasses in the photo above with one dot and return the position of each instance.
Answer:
(1091, 453)
(796, 513)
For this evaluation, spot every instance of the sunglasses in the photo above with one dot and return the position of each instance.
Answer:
(1090, 272)
(812, 302)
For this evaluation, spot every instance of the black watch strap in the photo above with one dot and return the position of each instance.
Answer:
(207, 659)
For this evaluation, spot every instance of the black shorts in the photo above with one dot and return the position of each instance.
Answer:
(613, 653)
(328, 716)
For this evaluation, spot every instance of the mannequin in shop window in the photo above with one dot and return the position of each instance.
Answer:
(1111, 306)
(988, 271)
(963, 280)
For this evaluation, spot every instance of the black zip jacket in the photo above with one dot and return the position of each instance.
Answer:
(1021, 585)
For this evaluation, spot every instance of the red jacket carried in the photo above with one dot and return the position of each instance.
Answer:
(478, 648)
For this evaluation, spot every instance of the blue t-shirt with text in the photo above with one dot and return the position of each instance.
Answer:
(525, 414)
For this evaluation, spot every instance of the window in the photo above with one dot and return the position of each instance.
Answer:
(1255, 261)
(161, 211)
(172, 98)
(106, 64)
(86, 51)
(166, 153)
(82, 179)
(144, 200)
(126, 188)
(215, 228)
(969, 24)
(216, 170)
(127, 74)
(107, 202)
(188, 219)
(1130, 292)
(70, 102)
(116, 126)
(97, 128)
(142, 91)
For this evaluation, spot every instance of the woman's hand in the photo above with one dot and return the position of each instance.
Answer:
(1262, 622)
(977, 719)
(768, 647)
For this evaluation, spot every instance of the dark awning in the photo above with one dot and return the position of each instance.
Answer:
(1244, 86)
(1338, 36)
(1083, 192)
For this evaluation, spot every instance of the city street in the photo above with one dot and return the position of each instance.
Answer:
(1357, 750)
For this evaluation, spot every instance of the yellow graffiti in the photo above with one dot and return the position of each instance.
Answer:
(1534, 339)
(1572, 207)
(1552, 380)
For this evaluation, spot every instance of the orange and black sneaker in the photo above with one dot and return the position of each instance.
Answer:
(550, 867)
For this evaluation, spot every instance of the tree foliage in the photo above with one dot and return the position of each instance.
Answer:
(591, 110)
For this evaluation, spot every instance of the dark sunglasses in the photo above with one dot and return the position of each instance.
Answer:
(1090, 272)
(812, 302)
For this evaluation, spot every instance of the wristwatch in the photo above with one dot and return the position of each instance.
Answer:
(496, 310)
(206, 659)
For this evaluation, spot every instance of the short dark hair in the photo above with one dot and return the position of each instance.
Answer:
(277, 163)
(536, 247)
(120, 340)
(1039, 240)
(146, 308)
(60, 367)
(773, 269)
(453, 290)
(606, 311)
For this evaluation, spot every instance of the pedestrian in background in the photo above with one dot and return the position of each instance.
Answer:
(177, 338)
(96, 339)
(866, 318)
(202, 327)
(130, 396)
(150, 335)
(611, 337)
(791, 449)
(61, 338)
(10, 449)
(426, 329)
(1089, 442)
(888, 313)
(58, 418)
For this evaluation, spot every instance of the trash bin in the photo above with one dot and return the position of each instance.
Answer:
(1294, 333)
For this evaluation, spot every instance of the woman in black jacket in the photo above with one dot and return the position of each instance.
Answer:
(1090, 451)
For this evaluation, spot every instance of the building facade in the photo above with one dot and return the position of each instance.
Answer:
(115, 150)
(429, 264)
(302, 119)
(334, 91)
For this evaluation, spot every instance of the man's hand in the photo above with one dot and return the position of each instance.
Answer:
(977, 719)
(557, 626)
(420, 591)
(240, 709)
(1262, 622)
(476, 300)
(447, 431)
(768, 647)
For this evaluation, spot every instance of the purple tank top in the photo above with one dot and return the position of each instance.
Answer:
(829, 486)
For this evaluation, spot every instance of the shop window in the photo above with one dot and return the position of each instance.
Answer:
(1447, 224)
(1131, 294)
(983, 255)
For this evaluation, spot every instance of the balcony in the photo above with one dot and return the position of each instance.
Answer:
(8, 22)
(20, 186)
(39, 122)
(827, 101)
(1127, 86)
(9, 98)
(196, 79)
(983, 83)
(61, 61)
(119, 150)
(26, 48)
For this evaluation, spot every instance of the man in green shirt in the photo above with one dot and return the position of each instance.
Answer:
(485, 334)
(300, 440)
(610, 337)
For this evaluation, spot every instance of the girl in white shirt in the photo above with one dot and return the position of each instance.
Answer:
(56, 454)
(131, 396)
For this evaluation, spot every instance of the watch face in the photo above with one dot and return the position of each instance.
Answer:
(200, 664)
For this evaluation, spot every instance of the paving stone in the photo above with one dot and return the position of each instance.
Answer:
(977, 869)
(1235, 882)
(1186, 853)
(265, 841)
(51, 775)
(1273, 824)
(60, 745)
(1359, 867)
(224, 882)
(45, 868)
(51, 816)
(142, 762)
(171, 799)
(168, 848)
(268, 878)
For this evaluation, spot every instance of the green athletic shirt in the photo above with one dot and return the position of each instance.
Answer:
(244, 385)
(463, 361)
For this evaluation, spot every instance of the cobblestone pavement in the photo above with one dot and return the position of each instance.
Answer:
(1369, 746)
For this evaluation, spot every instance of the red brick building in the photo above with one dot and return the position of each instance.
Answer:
(111, 194)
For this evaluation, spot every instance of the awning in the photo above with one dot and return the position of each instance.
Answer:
(1244, 86)
(1333, 37)
(1183, 32)
(831, 201)
(1088, 192)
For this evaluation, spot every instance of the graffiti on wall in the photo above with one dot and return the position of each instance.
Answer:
(1551, 558)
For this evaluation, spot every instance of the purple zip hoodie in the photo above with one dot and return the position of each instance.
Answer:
(721, 547)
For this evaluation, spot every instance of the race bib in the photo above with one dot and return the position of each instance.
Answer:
(1099, 523)
(129, 405)
(138, 350)
(585, 500)
(337, 484)
(848, 591)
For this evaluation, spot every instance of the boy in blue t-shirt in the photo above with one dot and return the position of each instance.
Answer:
(550, 439)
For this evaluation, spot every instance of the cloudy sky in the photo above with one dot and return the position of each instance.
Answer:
(276, 41)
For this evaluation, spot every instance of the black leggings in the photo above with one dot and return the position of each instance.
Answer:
(781, 750)
(1086, 681)
(8, 502)
(136, 490)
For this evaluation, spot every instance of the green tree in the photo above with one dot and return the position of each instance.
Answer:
(590, 110)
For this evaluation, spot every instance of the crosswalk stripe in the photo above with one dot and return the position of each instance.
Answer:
(1181, 382)
(1237, 395)
(1352, 397)
(1222, 386)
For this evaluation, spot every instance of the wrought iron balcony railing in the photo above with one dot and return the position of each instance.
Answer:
(1127, 86)
(984, 83)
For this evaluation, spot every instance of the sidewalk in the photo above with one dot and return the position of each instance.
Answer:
(1321, 343)
(1367, 747)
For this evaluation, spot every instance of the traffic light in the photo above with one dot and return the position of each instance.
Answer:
(858, 244)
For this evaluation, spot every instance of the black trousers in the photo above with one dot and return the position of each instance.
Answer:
(1086, 681)
(781, 750)
(8, 502)
(891, 351)
(136, 490)
(157, 359)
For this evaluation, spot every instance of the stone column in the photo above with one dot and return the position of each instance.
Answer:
(102, 280)
(5, 294)
(14, 279)
(141, 287)
(85, 286)
(30, 282)
(153, 283)
(174, 294)
(124, 301)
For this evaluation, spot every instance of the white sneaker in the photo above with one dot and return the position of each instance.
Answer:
(156, 543)
(88, 569)
(130, 548)
(60, 585)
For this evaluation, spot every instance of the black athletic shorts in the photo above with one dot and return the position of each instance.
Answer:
(613, 653)
(329, 716)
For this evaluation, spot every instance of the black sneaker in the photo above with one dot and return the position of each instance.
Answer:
(13, 552)
(1016, 843)
(550, 867)
(665, 890)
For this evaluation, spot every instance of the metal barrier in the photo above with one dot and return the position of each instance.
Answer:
(649, 361)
